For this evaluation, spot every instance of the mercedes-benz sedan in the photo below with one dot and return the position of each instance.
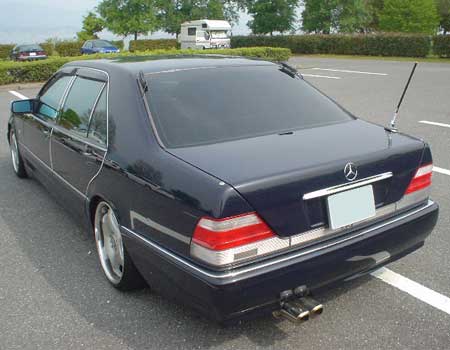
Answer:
(230, 184)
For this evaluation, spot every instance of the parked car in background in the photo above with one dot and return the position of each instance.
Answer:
(230, 184)
(28, 53)
(98, 46)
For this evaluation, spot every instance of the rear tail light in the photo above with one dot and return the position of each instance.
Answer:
(225, 241)
(421, 180)
(419, 188)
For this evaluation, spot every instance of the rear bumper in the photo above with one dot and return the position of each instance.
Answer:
(255, 288)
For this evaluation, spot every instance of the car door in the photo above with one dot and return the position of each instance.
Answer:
(38, 126)
(77, 150)
(89, 47)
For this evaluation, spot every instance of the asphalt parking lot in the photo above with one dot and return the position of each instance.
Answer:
(53, 294)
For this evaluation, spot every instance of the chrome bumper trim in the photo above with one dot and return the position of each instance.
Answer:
(260, 265)
(340, 188)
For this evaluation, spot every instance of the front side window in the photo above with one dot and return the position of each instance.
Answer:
(192, 31)
(79, 104)
(51, 95)
(98, 125)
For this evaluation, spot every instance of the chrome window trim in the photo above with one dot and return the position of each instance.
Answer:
(258, 266)
(348, 186)
(107, 130)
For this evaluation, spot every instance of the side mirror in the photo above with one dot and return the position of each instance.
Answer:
(22, 106)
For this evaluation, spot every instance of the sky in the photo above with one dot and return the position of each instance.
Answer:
(31, 21)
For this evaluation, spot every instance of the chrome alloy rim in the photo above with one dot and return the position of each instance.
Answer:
(109, 242)
(14, 151)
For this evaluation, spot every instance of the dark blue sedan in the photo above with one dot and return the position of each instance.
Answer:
(98, 46)
(229, 184)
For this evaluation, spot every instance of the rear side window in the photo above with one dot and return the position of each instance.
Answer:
(79, 103)
(192, 31)
(210, 105)
(98, 125)
(51, 97)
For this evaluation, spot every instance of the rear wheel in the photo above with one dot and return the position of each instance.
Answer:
(16, 158)
(114, 259)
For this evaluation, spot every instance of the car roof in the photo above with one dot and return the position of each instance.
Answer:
(156, 64)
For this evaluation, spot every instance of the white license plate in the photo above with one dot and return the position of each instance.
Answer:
(350, 207)
(32, 53)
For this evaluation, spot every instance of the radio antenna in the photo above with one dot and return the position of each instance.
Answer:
(394, 119)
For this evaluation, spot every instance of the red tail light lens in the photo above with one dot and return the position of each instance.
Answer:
(231, 232)
(421, 180)
(220, 242)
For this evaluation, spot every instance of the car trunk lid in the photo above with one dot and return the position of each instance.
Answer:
(274, 172)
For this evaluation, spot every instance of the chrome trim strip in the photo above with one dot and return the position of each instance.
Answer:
(53, 172)
(344, 187)
(157, 227)
(107, 132)
(50, 152)
(243, 270)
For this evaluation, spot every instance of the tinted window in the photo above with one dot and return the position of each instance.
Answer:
(98, 125)
(102, 43)
(31, 48)
(211, 105)
(79, 104)
(51, 96)
(192, 31)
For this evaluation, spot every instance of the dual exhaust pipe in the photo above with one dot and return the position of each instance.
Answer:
(297, 305)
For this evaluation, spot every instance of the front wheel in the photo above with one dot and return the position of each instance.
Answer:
(16, 158)
(114, 259)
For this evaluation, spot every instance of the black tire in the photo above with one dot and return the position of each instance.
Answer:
(116, 263)
(16, 158)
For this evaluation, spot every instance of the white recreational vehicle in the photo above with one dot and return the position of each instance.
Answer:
(204, 34)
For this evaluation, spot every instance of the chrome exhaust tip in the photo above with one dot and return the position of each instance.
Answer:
(292, 312)
(313, 306)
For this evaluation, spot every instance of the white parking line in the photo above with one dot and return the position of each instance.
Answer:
(15, 93)
(320, 76)
(435, 123)
(415, 289)
(441, 170)
(349, 71)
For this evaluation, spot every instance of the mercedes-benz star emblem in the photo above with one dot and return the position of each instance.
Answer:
(350, 171)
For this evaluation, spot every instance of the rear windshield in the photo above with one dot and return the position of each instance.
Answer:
(30, 48)
(209, 105)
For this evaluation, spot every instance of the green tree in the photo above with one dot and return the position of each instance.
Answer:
(92, 24)
(352, 16)
(346, 16)
(272, 16)
(443, 8)
(374, 7)
(125, 17)
(413, 16)
(319, 16)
